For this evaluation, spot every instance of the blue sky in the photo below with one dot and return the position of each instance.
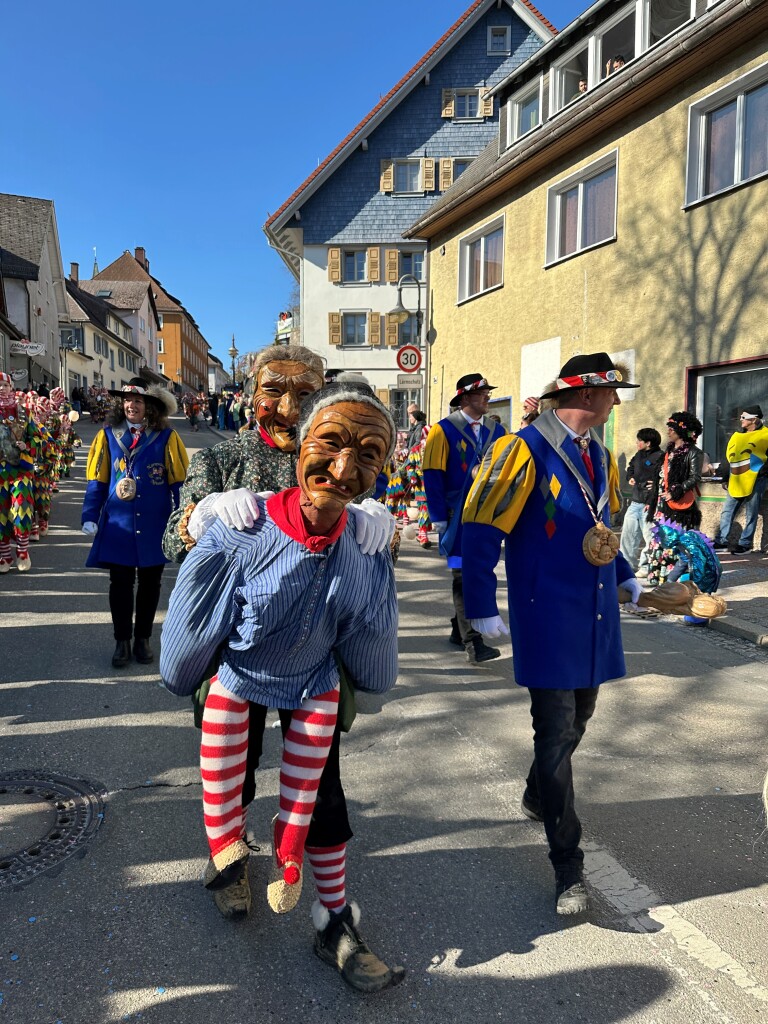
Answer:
(181, 126)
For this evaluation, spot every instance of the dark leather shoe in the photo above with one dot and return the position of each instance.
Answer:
(122, 655)
(719, 545)
(478, 652)
(142, 652)
(571, 893)
(455, 637)
(531, 808)
(741, 550)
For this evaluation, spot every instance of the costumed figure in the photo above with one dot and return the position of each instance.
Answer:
(16, 479)
(745, 477)
(679, 478)
(454, 449)
(66, 437)
(38, 410)
(275, 604)
(548, 493)
(220, 484)
(136, 466)
(412, 473)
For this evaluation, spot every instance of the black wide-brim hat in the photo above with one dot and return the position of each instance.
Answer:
(163, 399)
(591, 371)
(467, 384)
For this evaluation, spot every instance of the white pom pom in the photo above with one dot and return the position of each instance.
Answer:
(410, 532)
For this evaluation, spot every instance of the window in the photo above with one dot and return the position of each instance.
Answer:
(499, 40)
(466, 104)
(662, 17)
(570, 77)
(412, 263)
(160, 345)
(121, 357)
(615, 43)
(525, 110)
(581, 211)
(398, 405)
(720, 393)
(728, 136)
(408, 176)
(161, 367)
(104, 293)
(460, 164)
(408, 333)
(353, 329)
(142, 324)
(112, 359)
(481, 257)
(502, 407)
(354, 265)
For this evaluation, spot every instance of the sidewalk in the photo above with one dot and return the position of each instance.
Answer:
(744, 586)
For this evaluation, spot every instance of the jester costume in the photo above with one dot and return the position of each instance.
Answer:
(17, 436)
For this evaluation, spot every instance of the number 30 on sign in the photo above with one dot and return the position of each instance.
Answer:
(409, 358)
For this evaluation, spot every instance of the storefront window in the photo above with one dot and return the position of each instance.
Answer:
(720, 396)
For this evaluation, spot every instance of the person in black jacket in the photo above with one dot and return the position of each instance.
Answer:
(642, 475)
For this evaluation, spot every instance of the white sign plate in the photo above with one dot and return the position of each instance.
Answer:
(410, 380)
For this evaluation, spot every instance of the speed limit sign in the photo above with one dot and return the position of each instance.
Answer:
(409, 358)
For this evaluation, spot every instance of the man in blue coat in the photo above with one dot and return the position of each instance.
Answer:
(548, 492)
(453, 452)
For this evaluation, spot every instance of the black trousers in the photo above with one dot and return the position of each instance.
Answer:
(330, 823)
(122, 579)
(559, 720)
(467, 633)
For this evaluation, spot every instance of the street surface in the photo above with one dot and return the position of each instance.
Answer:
(452, 880)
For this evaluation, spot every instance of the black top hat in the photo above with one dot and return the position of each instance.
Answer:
(595, 370)
(468, 383)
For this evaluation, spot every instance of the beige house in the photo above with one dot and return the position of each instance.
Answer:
(623, 211)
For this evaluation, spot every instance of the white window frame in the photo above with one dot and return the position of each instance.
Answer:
(554, 192)
(596, 62)
(412, 253)
(419, 191)
(643, 25)
(356, 253)
(489, 228)
(462, 119)
(697, 117)
(364, 313)
(507, 49)
(513, 104)
(556, 69)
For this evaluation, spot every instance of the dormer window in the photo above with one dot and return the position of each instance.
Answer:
(570, 76)
(615, 43)
(525, 110)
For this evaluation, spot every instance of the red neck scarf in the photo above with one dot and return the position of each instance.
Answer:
(266, 438)
(285, 511)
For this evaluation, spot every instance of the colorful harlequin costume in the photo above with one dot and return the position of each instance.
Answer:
(17, 436)
(406, 483)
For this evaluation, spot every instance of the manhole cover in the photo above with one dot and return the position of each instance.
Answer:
(44, 819)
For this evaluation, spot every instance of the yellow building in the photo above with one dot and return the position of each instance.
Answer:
(620, 210)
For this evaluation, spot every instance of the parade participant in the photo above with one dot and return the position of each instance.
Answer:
(547, 493)
(220, 484)
(745, 477)
(38, 409)
(454, 449)
(17, 435)
(273, 604)
(136, 466)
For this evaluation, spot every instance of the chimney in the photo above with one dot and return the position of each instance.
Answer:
(74, 272)
(141, 257)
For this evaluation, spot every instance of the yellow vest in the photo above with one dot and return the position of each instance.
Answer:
(746, 454)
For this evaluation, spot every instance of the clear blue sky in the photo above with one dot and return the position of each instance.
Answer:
(181, 126)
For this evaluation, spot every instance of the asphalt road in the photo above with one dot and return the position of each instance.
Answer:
(452, 880)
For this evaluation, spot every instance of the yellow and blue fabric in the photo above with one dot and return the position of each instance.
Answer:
(746, 454)
(563, 611)
(130, 532)
(450, 455)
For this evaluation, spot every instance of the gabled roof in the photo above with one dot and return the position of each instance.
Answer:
(397, 93)
(123, 294)
(23, 228)
(96, 311)
(128, 268)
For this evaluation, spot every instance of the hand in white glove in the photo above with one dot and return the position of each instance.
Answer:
(492, 626)
(441, 527)
(633, 587)
(90, 529)
(374, 526)
(238, 509)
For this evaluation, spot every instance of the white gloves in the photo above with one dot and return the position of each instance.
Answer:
(441, 527)
(90, 529)
(633, 587)
(493, 626)
(237, 509)
(374, 526)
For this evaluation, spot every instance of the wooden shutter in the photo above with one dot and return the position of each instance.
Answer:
(428, 173)
(392, 261)
(486, 106)
(334, 265)
(374, 329)
(374, 264)
(392, 332)
(387, 183)
(334, 328)
(383, 396)
(448, 103)
(446, 174)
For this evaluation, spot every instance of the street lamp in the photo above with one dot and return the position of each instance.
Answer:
(233, 354)
(400, 314)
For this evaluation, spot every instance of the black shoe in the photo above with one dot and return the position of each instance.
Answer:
(142, 652)
(531, 808)
(719, 545)
(122, 655)
(570, 892)
(478, 651)
(741, 550)
(340, 944)
(455, 637)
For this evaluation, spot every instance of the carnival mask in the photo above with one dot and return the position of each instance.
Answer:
(7, 399)
(342, 454)
(746, 454)
(282, 384)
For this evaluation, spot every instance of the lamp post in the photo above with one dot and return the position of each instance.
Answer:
(178, 379)
(400, 314)
(233, 354)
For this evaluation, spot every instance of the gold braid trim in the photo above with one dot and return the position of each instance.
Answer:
(186, 536)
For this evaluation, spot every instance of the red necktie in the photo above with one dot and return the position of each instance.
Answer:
(136, 431)
(583, 443)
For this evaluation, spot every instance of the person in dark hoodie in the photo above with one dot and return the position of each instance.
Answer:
(642, 475)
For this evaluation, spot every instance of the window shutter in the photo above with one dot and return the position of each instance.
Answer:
(446, 174)
(387, 176)
(383, 396)
(374, 264)
(448, 103)
(392, 257)
(374, 329)
(392, 332)
(334, 265)
(486, 106)
(334, 328)
(428, 171)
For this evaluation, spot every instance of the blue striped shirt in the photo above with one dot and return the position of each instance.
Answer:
(272, 612)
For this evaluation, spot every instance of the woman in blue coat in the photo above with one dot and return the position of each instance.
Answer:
(136, 467)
